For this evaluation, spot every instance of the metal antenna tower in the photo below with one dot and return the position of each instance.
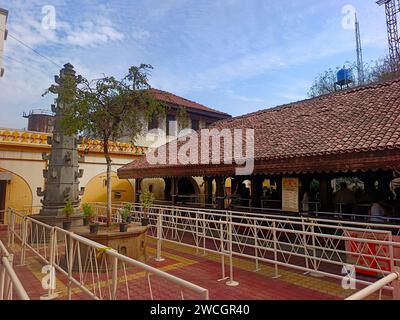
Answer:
(392, 8)
(360, 63)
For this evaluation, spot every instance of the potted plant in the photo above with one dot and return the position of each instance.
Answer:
(130, 208)
(87, 213)
(125, 213)
(90, 218)
(93, 225)
(68, 212)
(146, 200)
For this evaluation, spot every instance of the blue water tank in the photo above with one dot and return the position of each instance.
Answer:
(343, 77)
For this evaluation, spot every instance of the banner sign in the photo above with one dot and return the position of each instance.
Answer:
(290, 194)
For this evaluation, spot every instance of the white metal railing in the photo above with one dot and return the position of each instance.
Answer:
(94, 269)
(310, 244)
(377, 286)
(268, 205)
(9, 281)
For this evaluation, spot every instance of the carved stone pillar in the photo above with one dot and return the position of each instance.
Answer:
(62, 174)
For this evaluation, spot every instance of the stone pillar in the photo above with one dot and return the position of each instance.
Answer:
(256, 191)
(220, 192)
(208, 190)
(62, 174)
(234, 185)
(167, 189)
(138, 189)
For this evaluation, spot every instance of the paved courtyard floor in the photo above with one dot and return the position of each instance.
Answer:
(203, 270)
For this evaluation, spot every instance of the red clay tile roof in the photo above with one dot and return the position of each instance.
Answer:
(360, 124)
(174, 99)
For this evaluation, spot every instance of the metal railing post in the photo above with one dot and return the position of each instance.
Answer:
(305, 244)
(197, 232)
(2, 280)
(70, 265)
(114, 279)
(314, 261)
(204, 233)
(396, 285)
(275, 239)
(391, 253)
(24, 240)
(221, 230)
(52, 271)
(159, 236)
(11, 233)
(231, 282)
(256, 245)
(8, 287)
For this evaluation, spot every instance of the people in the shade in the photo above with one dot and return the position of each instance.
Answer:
(377, 212)
(345, 199)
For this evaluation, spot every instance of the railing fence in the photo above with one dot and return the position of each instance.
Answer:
(95, 270)
(319, 246)
(9, 281)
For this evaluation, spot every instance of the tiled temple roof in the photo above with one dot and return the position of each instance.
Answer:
(342, 128)
(174, 99)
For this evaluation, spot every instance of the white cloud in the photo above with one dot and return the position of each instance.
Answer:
(90, 34)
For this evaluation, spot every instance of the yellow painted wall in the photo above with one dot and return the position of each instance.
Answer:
(18, 193)
(158, 187)
(96, 190)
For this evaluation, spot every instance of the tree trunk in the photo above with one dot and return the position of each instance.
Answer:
(109, 189)
(109, 185)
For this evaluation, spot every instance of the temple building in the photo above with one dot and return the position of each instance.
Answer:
(304, 154)
(22, 165)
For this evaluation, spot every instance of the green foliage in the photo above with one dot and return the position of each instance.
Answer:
(375, 71)
(324, 83)
(107, 108)
(68, 209)
(182, 117)
(146, 199)
(125, 212)
(88, 212)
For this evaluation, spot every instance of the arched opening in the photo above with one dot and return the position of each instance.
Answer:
(14, 193)
(96, 189)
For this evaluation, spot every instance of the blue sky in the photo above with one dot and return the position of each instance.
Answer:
(237, 56)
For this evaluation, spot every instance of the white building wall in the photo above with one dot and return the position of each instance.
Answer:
(3, 34)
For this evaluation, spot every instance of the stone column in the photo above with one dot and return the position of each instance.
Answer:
(63, 173)
(167, 189)
(138, 189)
(208, 190)
(220, 192)
(256, 191)
(325, 191)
